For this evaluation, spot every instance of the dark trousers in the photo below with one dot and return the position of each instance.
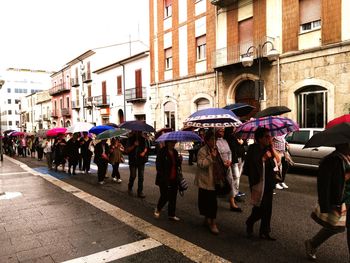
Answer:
(86, 162)
(101, 170)
(207, 203)
(73, 164)
(140, 171)
(285, 167)
(263, 212)
(115, 172)
(191, 156)
(40, 153)
(80, 162)
(168, 194)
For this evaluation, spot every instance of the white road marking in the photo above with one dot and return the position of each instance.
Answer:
(186, 248)
(118, 252)
(14, 173)
(10, 195)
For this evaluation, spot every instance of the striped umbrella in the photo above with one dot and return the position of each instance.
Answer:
(277, 126)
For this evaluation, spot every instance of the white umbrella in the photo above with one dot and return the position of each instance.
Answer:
(80, 127)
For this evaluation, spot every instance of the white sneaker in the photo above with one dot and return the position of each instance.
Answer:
(102, 182)
(119, 181)
(279, 187)
(174, 218)
(284, 185)
(114, 179)
(310, 251)
(156, 213)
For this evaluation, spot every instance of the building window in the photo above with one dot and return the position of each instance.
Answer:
(67, 102)
(245, 34)
(202, 104)
(310, 15)
(168, 58)
(312, 107)
(17, 101)
(167, 8)
(9, 90)
(8, 101)
(17, 123)
(169, 114)
(119, 85)
(201, 47)
(10, 123)
(9, 112)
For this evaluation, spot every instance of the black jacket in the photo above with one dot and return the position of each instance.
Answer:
(163, 166)
(98, 153)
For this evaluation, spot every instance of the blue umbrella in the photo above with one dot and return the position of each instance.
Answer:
(179, 136)
(213, 118)
(239, 108)
(137, 126)
(100, 128)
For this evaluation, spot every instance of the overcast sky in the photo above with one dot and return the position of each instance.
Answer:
(46, 34)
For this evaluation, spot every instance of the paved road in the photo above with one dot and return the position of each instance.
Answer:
(291, 223)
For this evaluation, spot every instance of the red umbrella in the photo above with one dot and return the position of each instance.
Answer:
(56, 131)
(341, 119)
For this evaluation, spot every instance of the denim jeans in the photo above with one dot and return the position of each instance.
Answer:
(140, 171)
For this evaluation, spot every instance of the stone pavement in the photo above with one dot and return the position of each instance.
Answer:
(44, 219)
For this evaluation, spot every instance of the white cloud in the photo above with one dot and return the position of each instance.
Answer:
(45, 34)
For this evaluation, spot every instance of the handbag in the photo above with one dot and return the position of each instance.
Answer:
(331, 220)
(182, 183)
(222, 186)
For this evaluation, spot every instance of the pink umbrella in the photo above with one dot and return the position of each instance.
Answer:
(17, 133)
(56, 131)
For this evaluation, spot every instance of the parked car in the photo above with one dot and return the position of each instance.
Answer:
(309, 157)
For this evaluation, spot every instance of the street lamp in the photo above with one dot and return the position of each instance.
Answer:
(2, 82)
(248, 60)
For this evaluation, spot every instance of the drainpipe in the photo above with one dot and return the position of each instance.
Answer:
(124, 91)
(278, 82)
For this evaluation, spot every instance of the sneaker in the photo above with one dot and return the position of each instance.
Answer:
(284, 185)
(174, 218)
(141, 195)
(101, 182)
(156, 213)
(279, 187)
(310, 251)
(114, 179)
(119, 181)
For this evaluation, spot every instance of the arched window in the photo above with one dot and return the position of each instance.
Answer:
(62, 123)
(121, 116)
(202, 104)
(169, 114)
(312, 106)
(68, 123)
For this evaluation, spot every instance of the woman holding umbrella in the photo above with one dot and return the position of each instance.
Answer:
(115, 158)
(168, 163)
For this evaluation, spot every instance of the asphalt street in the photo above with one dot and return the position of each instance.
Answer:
(291, 222)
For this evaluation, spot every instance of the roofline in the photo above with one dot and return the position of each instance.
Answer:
(81, 57)
(122, 62)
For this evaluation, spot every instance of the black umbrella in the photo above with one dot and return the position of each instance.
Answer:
(112, 124)
(239, 108)
(338, 134)
(137, 126)
(272, 111)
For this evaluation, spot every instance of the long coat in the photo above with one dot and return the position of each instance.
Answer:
(164, 164)
(72, 151)
(205, 173)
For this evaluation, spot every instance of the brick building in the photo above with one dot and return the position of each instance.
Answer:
(197, 49)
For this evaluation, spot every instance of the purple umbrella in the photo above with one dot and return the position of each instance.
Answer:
(213, 118)
(179, 136)
(277, 126)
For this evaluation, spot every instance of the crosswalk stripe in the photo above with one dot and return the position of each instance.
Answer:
(186, 248)
(118, 252)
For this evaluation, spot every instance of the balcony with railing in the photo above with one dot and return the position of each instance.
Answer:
(76, 104)
(54, 114)
(88, 102)
(223, 3)
(65, 112)
(74, 82)
(233, 54)
(101, 101)
(59, 88)
(136, 95)
(87, 77)
(46, 117)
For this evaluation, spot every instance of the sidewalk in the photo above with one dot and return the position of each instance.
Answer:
(52, 221)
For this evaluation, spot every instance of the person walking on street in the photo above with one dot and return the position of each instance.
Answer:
(280, 145)
(207, 201)
(101, 160)
(48, 152)
(333, 188)
(168, 163)
(86, 153)
(259, 167)
(115, 158)
(59, 145)
(39, 147)
(137, 150)
(72, 153)
(226, 156)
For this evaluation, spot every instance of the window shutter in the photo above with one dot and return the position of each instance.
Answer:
(168, 53)
(138, 82)
(310, 10)
(119, 85)
(245, 29)
(104, 92)
(89, 91)
(201, 40)
(167, 3)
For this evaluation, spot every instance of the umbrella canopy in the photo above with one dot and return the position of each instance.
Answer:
(56, 131)
(8, 131)
(179, 136)
(112, 133)
(277, 126)
(100, 128)
(17, 133)
(337, 134)
(161, 131)
(240, 109)
(112, 124)
(212, 118)
(341, 119)
(80, 127)
(272, 111)
(137, 126)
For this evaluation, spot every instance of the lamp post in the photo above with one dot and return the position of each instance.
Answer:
(248, 60)
(2, 82)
